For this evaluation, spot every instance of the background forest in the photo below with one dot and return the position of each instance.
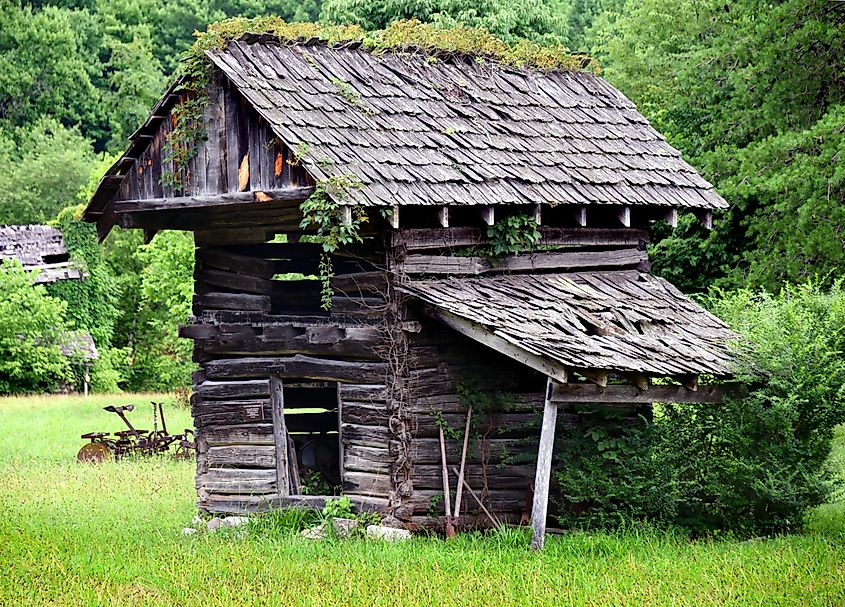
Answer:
(752, 92)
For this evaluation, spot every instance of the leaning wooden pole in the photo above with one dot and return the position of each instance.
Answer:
(460, 488)
(450, 530)
(540, 507)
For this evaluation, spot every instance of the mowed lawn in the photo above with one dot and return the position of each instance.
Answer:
(73, 534)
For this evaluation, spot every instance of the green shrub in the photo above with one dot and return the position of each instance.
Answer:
(606, 475)
(30, 334)
(754, 464)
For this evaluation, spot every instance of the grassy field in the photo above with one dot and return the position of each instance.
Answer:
(75, 534)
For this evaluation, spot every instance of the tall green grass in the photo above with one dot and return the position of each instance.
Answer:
(74, 534)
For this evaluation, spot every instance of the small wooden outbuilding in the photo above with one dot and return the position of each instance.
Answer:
(38, 247)
(425, 164)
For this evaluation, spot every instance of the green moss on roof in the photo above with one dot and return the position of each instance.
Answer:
(400, 36)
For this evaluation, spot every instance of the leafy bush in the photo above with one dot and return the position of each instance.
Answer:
(606, 474)
(30, 334)
(753, 464)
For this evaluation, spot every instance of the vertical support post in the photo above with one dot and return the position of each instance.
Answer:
(538, 214)
(280, 435)
(672, 217)
(624, 216)
(346, 215)
(581, 216)
(86, 377)
(488, 215)
(394, 217)
(443, 216)
(540, 507)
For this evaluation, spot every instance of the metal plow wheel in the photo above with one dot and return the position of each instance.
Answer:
(94, 453)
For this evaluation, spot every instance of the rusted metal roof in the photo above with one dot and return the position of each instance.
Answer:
(456, 132)
(38, 247)
(620, 321)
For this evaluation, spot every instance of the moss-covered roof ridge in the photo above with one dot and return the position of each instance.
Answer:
(406, 36)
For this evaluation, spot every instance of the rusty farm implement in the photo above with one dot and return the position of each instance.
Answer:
(120, 444)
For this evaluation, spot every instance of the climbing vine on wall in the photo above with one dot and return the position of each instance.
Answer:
(325, 210)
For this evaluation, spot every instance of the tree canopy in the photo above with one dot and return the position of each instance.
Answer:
(752, 93)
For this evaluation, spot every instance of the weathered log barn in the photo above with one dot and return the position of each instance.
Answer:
(428, 163)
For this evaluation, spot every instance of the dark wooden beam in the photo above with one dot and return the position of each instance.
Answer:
(591, 393)
(205, 202)
(419, 239)
(558, 260)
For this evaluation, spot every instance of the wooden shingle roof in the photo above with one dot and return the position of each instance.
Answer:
(417, 131)
(620, 321)
(38, 247)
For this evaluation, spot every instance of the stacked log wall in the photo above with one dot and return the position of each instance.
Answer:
(251, 322)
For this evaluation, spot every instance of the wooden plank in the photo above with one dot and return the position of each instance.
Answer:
(539, 509)
(254, 197)
(242, 504)
(591, 393)
(244, 481)
(482, 335)
(488, 215)
(624, 216)
(527, 262)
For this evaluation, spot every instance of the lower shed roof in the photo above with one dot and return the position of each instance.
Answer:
(621, 321)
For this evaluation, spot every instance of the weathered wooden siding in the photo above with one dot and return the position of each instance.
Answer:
(239, 152)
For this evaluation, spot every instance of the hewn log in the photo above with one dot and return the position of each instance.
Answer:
(233, 389)
(527, 262)
(363, 392)
(437, 238)
(298, 366)
(366, 483)
(427, 450)
(346, 348)
(236, 282)
(204, 203)
(366, 436)
(223, 259)
(241, 504)
(231, 301)
(591, 393)
(242, 456)
(242, 481)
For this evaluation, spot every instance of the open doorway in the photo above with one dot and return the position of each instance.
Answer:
(307, 437)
